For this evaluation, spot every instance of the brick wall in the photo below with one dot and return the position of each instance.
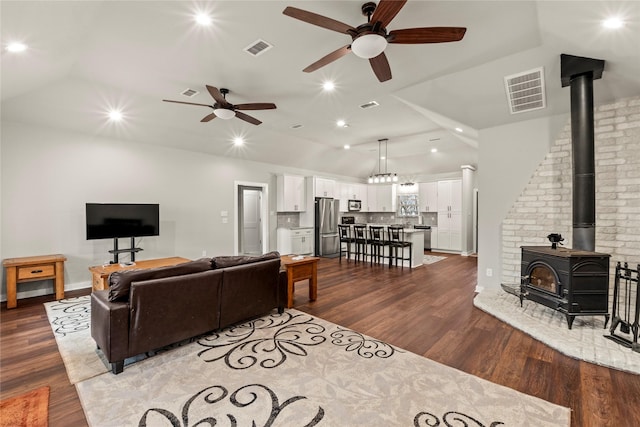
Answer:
(545, 204)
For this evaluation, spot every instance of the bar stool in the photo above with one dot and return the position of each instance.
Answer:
(377, 243)
(345, 237)
(397, 242)
(360, 238)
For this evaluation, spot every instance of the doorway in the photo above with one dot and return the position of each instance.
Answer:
(250, 236)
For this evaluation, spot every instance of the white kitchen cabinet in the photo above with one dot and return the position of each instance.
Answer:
(450, 215)
(351, 191)
(434, 237)
(290, 193)
(381, 198)
(386, 198)
(450, 196)
(324, 187)
(298, 241)
(449, 231)
(428, 196)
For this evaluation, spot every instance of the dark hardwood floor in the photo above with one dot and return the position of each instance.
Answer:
(428, 310)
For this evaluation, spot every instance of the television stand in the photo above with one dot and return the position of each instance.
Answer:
(116, 252)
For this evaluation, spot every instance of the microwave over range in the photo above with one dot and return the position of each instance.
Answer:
(354, 205)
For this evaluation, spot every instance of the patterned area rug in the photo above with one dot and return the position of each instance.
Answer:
(27, 410)
(430, 259)
(294, 369)
(585, 341)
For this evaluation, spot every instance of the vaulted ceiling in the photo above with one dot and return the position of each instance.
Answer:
(86, 57)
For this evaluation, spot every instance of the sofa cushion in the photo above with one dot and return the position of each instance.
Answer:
(120, 281)
(230, 261)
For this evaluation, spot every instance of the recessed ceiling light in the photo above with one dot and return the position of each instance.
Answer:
(459, 130)
(16, 47)
(382, 157)
(612, 23)
(341, 124)
(238, 141)
(347, 146)
(203, 19)
(434, 150)
(115, 115)
(328, 86)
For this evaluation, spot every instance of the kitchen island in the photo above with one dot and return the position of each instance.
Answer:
(415, 236)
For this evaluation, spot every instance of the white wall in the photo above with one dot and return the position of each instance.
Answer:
(48, 175)
(507, 158)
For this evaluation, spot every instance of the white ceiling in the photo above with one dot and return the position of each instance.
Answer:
(88, 56)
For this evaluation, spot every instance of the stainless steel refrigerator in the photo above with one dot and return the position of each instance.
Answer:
(326, 227)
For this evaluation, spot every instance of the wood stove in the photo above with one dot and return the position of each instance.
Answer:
(573, 282)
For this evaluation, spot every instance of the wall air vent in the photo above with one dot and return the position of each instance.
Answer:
(369, 104)
(190, 93)
(258, 47)
(525, 91)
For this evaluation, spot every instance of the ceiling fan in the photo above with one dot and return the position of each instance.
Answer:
(369, 40)
(225, 110)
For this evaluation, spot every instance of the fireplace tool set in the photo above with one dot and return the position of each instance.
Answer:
(623, 311)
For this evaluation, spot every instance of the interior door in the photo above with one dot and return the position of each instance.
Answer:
(250, 221)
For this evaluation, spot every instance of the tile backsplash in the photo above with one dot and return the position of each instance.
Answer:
(288, 219)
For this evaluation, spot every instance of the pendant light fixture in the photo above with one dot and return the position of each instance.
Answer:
(382, 177)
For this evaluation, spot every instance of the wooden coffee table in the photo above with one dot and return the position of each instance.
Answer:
(100, 274)
(301, 269)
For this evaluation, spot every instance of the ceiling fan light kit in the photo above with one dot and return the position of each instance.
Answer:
(368, 46)
(224, 114)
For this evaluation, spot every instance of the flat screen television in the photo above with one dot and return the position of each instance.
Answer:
(114, 220)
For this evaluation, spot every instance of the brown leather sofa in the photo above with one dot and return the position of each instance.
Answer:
(144, 310)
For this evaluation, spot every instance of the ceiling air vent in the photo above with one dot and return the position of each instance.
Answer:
(190, 93)
(369, 104)
(525, 91)
(258, 47)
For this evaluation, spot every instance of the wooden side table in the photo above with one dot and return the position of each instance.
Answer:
(302, 269)
(29, 269)
(100, 273)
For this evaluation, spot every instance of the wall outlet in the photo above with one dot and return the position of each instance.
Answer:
(489, 272)
(225, 220)
(288, 219)
(204, 252)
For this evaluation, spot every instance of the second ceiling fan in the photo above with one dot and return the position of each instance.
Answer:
(370, 39)
(226, 110)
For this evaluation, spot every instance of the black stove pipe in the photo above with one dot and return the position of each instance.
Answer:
(579, 73)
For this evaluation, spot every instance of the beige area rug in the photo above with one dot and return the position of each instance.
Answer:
(30, 409)
(430, 259)
(295, 370)
(585, 341)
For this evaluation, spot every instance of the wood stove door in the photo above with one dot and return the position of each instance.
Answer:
(542, 277)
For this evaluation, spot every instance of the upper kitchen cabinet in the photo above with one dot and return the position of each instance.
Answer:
(428, 196)
(381, 198)
(324, 187)
(351, 191)
(290, 195)
(450, 196)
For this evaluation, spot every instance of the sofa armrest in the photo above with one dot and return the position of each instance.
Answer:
(110, 326)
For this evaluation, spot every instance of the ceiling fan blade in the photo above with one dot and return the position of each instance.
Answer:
(217, 95)
(386, 10)
(336, 54)
(208, 118)
(426, 35)
(380, 66)
(319, 20)
(256, 106)
(247, 118)
(188, 103)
